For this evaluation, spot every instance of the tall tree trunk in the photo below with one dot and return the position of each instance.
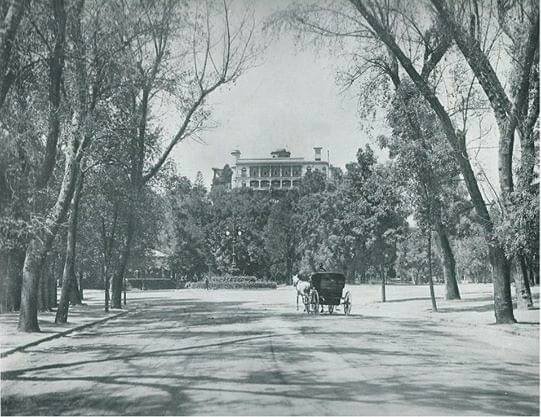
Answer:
(69, 281)
(80, 280)
(106, 286)
(522, 285)
(28, 317)
(53, 294)
(137, 182)
(530, 275)
(449, 266)
(107, 250)
(75, 297)
(289, 268)
(43, 292)
(382, 274)
(56, 71)
(430, 281)
(503, 302)
(8, 31)
(11, 269)
(533, 268)
(12, 248)
(118, 277)
(41, 244)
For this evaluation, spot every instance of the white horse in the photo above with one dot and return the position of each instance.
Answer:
(302, 287)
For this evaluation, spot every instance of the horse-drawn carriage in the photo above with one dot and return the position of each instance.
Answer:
(325, 289)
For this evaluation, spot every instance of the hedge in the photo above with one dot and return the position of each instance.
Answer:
(232, 285)
(232, 278)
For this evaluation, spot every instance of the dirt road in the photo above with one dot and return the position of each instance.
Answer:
(251, 353)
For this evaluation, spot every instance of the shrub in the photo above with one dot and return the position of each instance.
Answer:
(232, 285)
(232, 278)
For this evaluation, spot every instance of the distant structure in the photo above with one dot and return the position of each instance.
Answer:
(280, 171)
(222, 177)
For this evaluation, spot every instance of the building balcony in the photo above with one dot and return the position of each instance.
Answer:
(269, 178)
(265, 184)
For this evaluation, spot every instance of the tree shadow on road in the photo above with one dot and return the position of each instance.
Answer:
(173, 394)
(308, 360)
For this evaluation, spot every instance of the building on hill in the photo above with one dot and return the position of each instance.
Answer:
(279, 172)
(222, 177)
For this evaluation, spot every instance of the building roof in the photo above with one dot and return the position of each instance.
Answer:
(273, 161)
(281, 153)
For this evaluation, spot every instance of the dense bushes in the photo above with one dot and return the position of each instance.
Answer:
(232, 282)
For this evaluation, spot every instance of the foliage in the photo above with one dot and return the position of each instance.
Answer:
(235, 232)
(188, 214)
(351, 226)
(82, 89)
(472, 259)
(412, 262)
(354, 226)
(281, 238)
(232, 278)
(232, 283)
(423, 161)
(520, 233)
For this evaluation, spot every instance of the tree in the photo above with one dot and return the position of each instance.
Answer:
(352, 227)
(372, 13)
(281, 238)
(69, 281)
(514, 113)
(424, 161)
(43, 237)
(198, 75)
(235, 210)
(87, 76)
(379, 203)
(391, 36)
(189, 214)
(12, 13)
(412, 260)
(379, 71)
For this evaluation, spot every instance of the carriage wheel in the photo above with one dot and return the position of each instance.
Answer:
(314, 302)
(347, 303)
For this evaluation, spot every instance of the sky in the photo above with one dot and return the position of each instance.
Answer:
(291, 99)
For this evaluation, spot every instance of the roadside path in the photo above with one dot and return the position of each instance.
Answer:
(90, 313)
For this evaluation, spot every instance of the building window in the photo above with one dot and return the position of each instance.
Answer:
(254, 171)
(275, 184)
(265, 171)
(296, 171)
(254, 184)
(286, 172)
(296, 183)
(243, 172)
(264, 184)
(275, 171)
(286, 184)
